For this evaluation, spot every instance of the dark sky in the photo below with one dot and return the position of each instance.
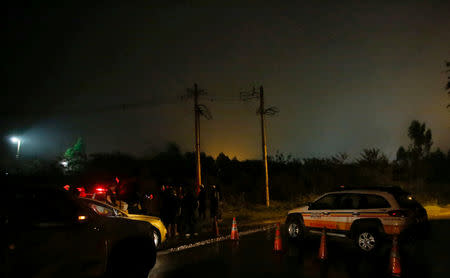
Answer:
(345, 75)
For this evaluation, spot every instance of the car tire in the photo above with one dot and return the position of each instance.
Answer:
(367, 239)
(132, 258)
(295, 228)
(156, 238)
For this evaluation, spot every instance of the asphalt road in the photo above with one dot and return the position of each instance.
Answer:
(252, 256)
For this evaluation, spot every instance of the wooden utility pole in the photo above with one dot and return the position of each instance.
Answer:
(198, 172)
(264, 145)
(262, 111)
(199, 110)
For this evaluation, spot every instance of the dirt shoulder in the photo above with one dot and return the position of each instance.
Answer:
(435, 211)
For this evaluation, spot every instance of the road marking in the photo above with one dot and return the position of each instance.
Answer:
(212, 240)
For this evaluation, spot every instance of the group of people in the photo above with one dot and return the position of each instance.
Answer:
(181, 208)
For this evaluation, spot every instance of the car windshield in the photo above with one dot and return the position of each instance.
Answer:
(100, 209)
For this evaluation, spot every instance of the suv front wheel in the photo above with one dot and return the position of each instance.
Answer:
(295, 228)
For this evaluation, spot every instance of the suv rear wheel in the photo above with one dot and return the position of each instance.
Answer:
(367, 239)
(295, 228)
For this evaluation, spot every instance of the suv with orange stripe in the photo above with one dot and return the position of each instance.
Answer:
(364, 215)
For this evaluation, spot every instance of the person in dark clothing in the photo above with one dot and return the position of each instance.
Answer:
(189, 205)
(132, 198)
(202, 203)
(178, 216)
(214, 202)
(111, 195)
(163, 204)
(171, 211)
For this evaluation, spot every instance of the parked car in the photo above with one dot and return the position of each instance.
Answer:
(102, 208)
(364, 215)
(49, 233)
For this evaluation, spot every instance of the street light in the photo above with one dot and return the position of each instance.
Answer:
(16, 140)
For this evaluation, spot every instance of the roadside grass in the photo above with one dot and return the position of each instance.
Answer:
(256, 212)
(250, 213)
(436, 211)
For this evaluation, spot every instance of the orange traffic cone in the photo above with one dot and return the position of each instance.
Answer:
(234, 230)
(323, 246)
(394, 263)
(277, 247)
(216, 227)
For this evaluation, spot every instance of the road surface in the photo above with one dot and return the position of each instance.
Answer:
(252, 256)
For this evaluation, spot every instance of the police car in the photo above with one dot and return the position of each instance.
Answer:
(364, 215)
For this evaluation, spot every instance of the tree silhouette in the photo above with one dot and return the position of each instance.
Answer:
(76, 156)
(421, 139)
(339, 158)
(372, 157)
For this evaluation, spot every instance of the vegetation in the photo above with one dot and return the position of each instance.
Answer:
(75, 157)
(417, 168)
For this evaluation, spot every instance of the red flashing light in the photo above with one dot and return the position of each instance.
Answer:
(67, 187)
(100, 190)
(117, 180)
(82, 191)
(151, 196)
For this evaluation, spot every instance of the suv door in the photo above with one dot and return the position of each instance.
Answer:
(320, 212)
(346, 212)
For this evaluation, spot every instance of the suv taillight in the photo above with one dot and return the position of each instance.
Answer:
(397, 213)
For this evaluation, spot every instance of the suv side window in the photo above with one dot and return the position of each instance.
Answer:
(330, 201)
(349, 201)
(370, 201)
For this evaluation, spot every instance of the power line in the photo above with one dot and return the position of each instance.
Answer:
(88, 110)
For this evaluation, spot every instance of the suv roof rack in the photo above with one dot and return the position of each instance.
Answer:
(389, 189)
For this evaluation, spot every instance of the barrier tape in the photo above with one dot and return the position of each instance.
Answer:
(212, 240)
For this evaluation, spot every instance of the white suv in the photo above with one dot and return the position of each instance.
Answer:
(363, 214)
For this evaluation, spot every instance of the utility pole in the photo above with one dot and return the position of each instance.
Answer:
(264, 145)
(246, 96)
(198, 172)
(199, 110)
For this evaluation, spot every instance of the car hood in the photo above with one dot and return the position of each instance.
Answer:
(144, 217)
(299, 210)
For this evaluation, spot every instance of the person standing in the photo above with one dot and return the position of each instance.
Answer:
(214, 202)
(171, 211)
(202, 203)
(164, 204)
(111, 195)
(188, 207)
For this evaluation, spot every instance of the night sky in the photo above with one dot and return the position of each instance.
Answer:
(345, 75)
